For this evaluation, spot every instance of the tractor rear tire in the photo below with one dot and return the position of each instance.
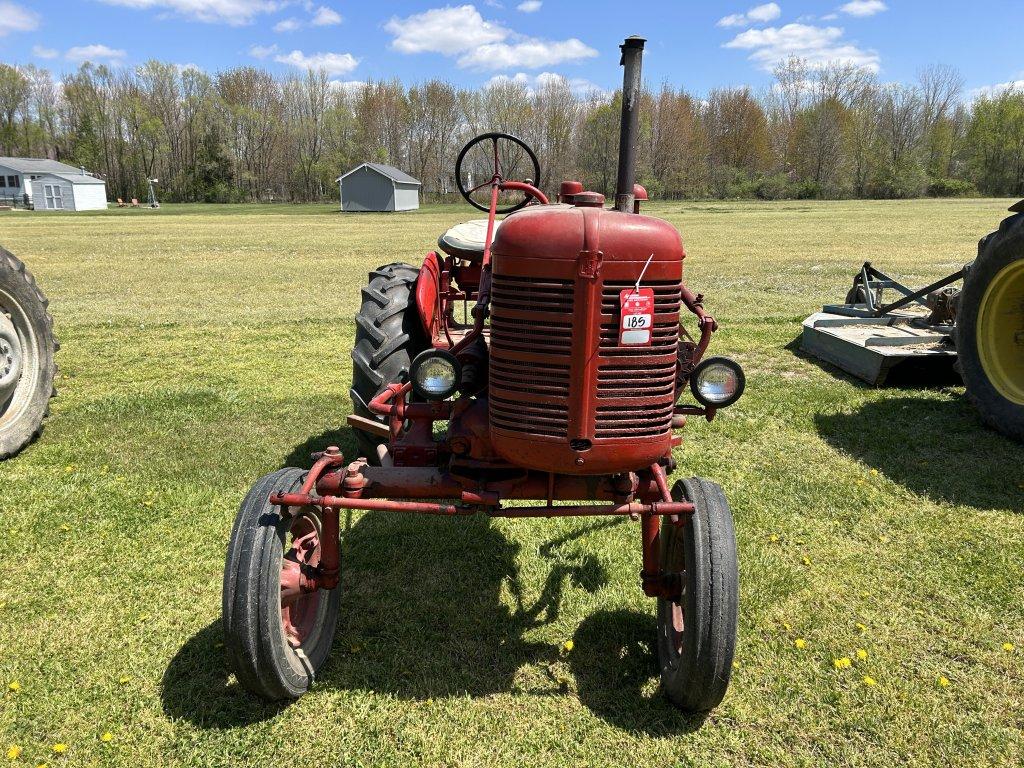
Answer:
(990, 329)
(697, 633)
(258, 648)
(27, 349)
(389, 334)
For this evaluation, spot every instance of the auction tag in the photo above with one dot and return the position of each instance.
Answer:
(636, 308)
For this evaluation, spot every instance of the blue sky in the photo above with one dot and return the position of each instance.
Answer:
(699, 45)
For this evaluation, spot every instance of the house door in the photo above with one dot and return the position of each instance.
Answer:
(54, 199)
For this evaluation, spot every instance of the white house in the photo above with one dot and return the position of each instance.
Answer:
(48, 185)
(378, 187)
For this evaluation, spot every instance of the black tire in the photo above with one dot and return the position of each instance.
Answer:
(389, 334)
(257, 648)
(696, 663)
(996, 252)
(26, 381)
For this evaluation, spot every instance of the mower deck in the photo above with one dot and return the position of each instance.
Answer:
(871, 348)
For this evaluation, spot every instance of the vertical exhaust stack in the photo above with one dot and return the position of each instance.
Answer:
(632, 56)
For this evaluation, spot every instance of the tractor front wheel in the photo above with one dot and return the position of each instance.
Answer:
(697, 631)
(277, 638)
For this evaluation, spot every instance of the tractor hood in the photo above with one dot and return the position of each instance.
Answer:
(564, 231)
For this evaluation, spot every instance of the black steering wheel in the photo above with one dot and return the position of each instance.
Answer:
(494, 157)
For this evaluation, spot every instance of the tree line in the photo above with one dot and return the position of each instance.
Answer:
(245, 135)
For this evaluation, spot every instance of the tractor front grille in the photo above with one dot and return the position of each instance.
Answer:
(530, 366)
(531, 343)
(636, 385)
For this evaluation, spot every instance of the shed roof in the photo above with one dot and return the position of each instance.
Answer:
(384, 170)
(38, 165)
(75, 178)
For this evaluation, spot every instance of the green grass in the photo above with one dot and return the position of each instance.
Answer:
(205, 346)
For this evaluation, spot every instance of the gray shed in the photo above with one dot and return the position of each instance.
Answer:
(376, 187)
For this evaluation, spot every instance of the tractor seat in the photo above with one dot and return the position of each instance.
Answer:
(466, 240)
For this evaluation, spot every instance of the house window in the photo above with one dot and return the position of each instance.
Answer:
(13, 182)
(2, 184)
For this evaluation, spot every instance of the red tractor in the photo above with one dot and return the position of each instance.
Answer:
(560, 385)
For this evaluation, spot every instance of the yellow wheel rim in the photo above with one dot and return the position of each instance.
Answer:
(1000, 332)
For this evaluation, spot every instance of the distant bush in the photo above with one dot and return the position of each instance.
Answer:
(807, 190)
(774, 187)
(951, 188)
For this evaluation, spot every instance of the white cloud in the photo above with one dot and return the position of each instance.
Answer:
(533, 83)
(325, 17)
(41, 52)
(234, 12)
(529, 6)
(991, 91)
(350, 87)
(332, 63)
(816, 45)
(444, 30)
(95, 53)
(530, 53)
(262, 51)
(759, 14)
(287, 25)
(478, 43)
(14, 18)
(864, 7)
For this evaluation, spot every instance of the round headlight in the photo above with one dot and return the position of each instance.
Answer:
(435, 374)
(717, 382)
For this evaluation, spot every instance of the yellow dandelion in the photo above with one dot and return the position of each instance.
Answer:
(69, 468)
(123, 679)
(861, 654)
(943, 681)
(874, 471)
(843, 663)
(786, 626)
(65, 528)
(568, 645)
(800, 643)
(861, 628)
(869, 681)
(806, 560)
(1008, 647)
(13, 752)
(735, 665)
(107, 737)
(15, 686)
(774, 537)
(60, 748)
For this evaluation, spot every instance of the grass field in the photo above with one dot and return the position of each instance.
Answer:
(204, 347)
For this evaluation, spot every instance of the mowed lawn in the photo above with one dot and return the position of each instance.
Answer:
(206, 346)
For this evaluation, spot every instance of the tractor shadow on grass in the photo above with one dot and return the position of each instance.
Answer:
(615, 663)
(935, 448)
(196, 686)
